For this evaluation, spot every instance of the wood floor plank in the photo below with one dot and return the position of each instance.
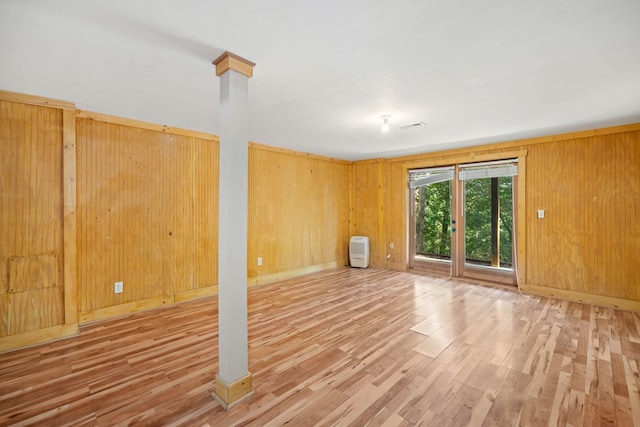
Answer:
(310, 411)
(350, 410)
(480, 411)
(343, 347)
(387, 418)
(633, 385)
(510, 399)
(575, 408)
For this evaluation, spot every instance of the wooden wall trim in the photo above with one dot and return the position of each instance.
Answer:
(36, 100)
(467, 157)
(41, 237)
(600, 300)
(196, 294)
(125, 309)
(520, 142)
(520, 220)
(371, 161)
(100, 117)
(271, 148)
(70, 246)
(271, 278)
(398, 266)
(27, 339)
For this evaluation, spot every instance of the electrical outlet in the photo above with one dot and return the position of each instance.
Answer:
(259, 260)
(540, 213)
(118, 287)
(391, 245)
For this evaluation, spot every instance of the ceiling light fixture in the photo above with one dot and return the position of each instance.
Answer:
(385, 122)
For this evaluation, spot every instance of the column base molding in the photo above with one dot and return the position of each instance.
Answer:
(229, 395)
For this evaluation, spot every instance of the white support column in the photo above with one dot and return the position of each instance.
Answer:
(233, 381)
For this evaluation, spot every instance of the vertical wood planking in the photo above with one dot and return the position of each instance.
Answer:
(588, 240)
(146, 212)
(298, 211)
(367, 211)
(31, 218)
(520, 217)
(70, 259)
(205, 183)
(352, 201)
(381, 242)
(395, 205)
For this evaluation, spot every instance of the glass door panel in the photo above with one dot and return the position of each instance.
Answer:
(430, 229)
(433, 218)
(488, 228)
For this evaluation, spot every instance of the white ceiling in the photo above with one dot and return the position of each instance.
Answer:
(475, 71)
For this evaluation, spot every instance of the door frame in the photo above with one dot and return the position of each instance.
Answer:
(459, 269)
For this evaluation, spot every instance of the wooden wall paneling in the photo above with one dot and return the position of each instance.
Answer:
(330, 181)
(34, 310)
(205, 183)
(28, 273)
(615, 215)
(520, 220)
(176, 219)
(146, 207)
(31, 224)
(367, 207)
(70, 259)
(625, 246)
(381, 242)
(565, 164)
(306, 227)
(138, 124)
(352, 201)
(40, 101)
(272, 190)
(588, 188)
(397, 224)
(256, 194)
(298, 213)
(541, 180)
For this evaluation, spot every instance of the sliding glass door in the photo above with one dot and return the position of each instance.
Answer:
(462, 220)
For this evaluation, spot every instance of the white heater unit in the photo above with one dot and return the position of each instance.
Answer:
(359, 251)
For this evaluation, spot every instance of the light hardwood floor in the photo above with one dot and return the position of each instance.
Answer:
(344, 347)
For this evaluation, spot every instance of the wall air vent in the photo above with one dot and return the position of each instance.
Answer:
(412, 125)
